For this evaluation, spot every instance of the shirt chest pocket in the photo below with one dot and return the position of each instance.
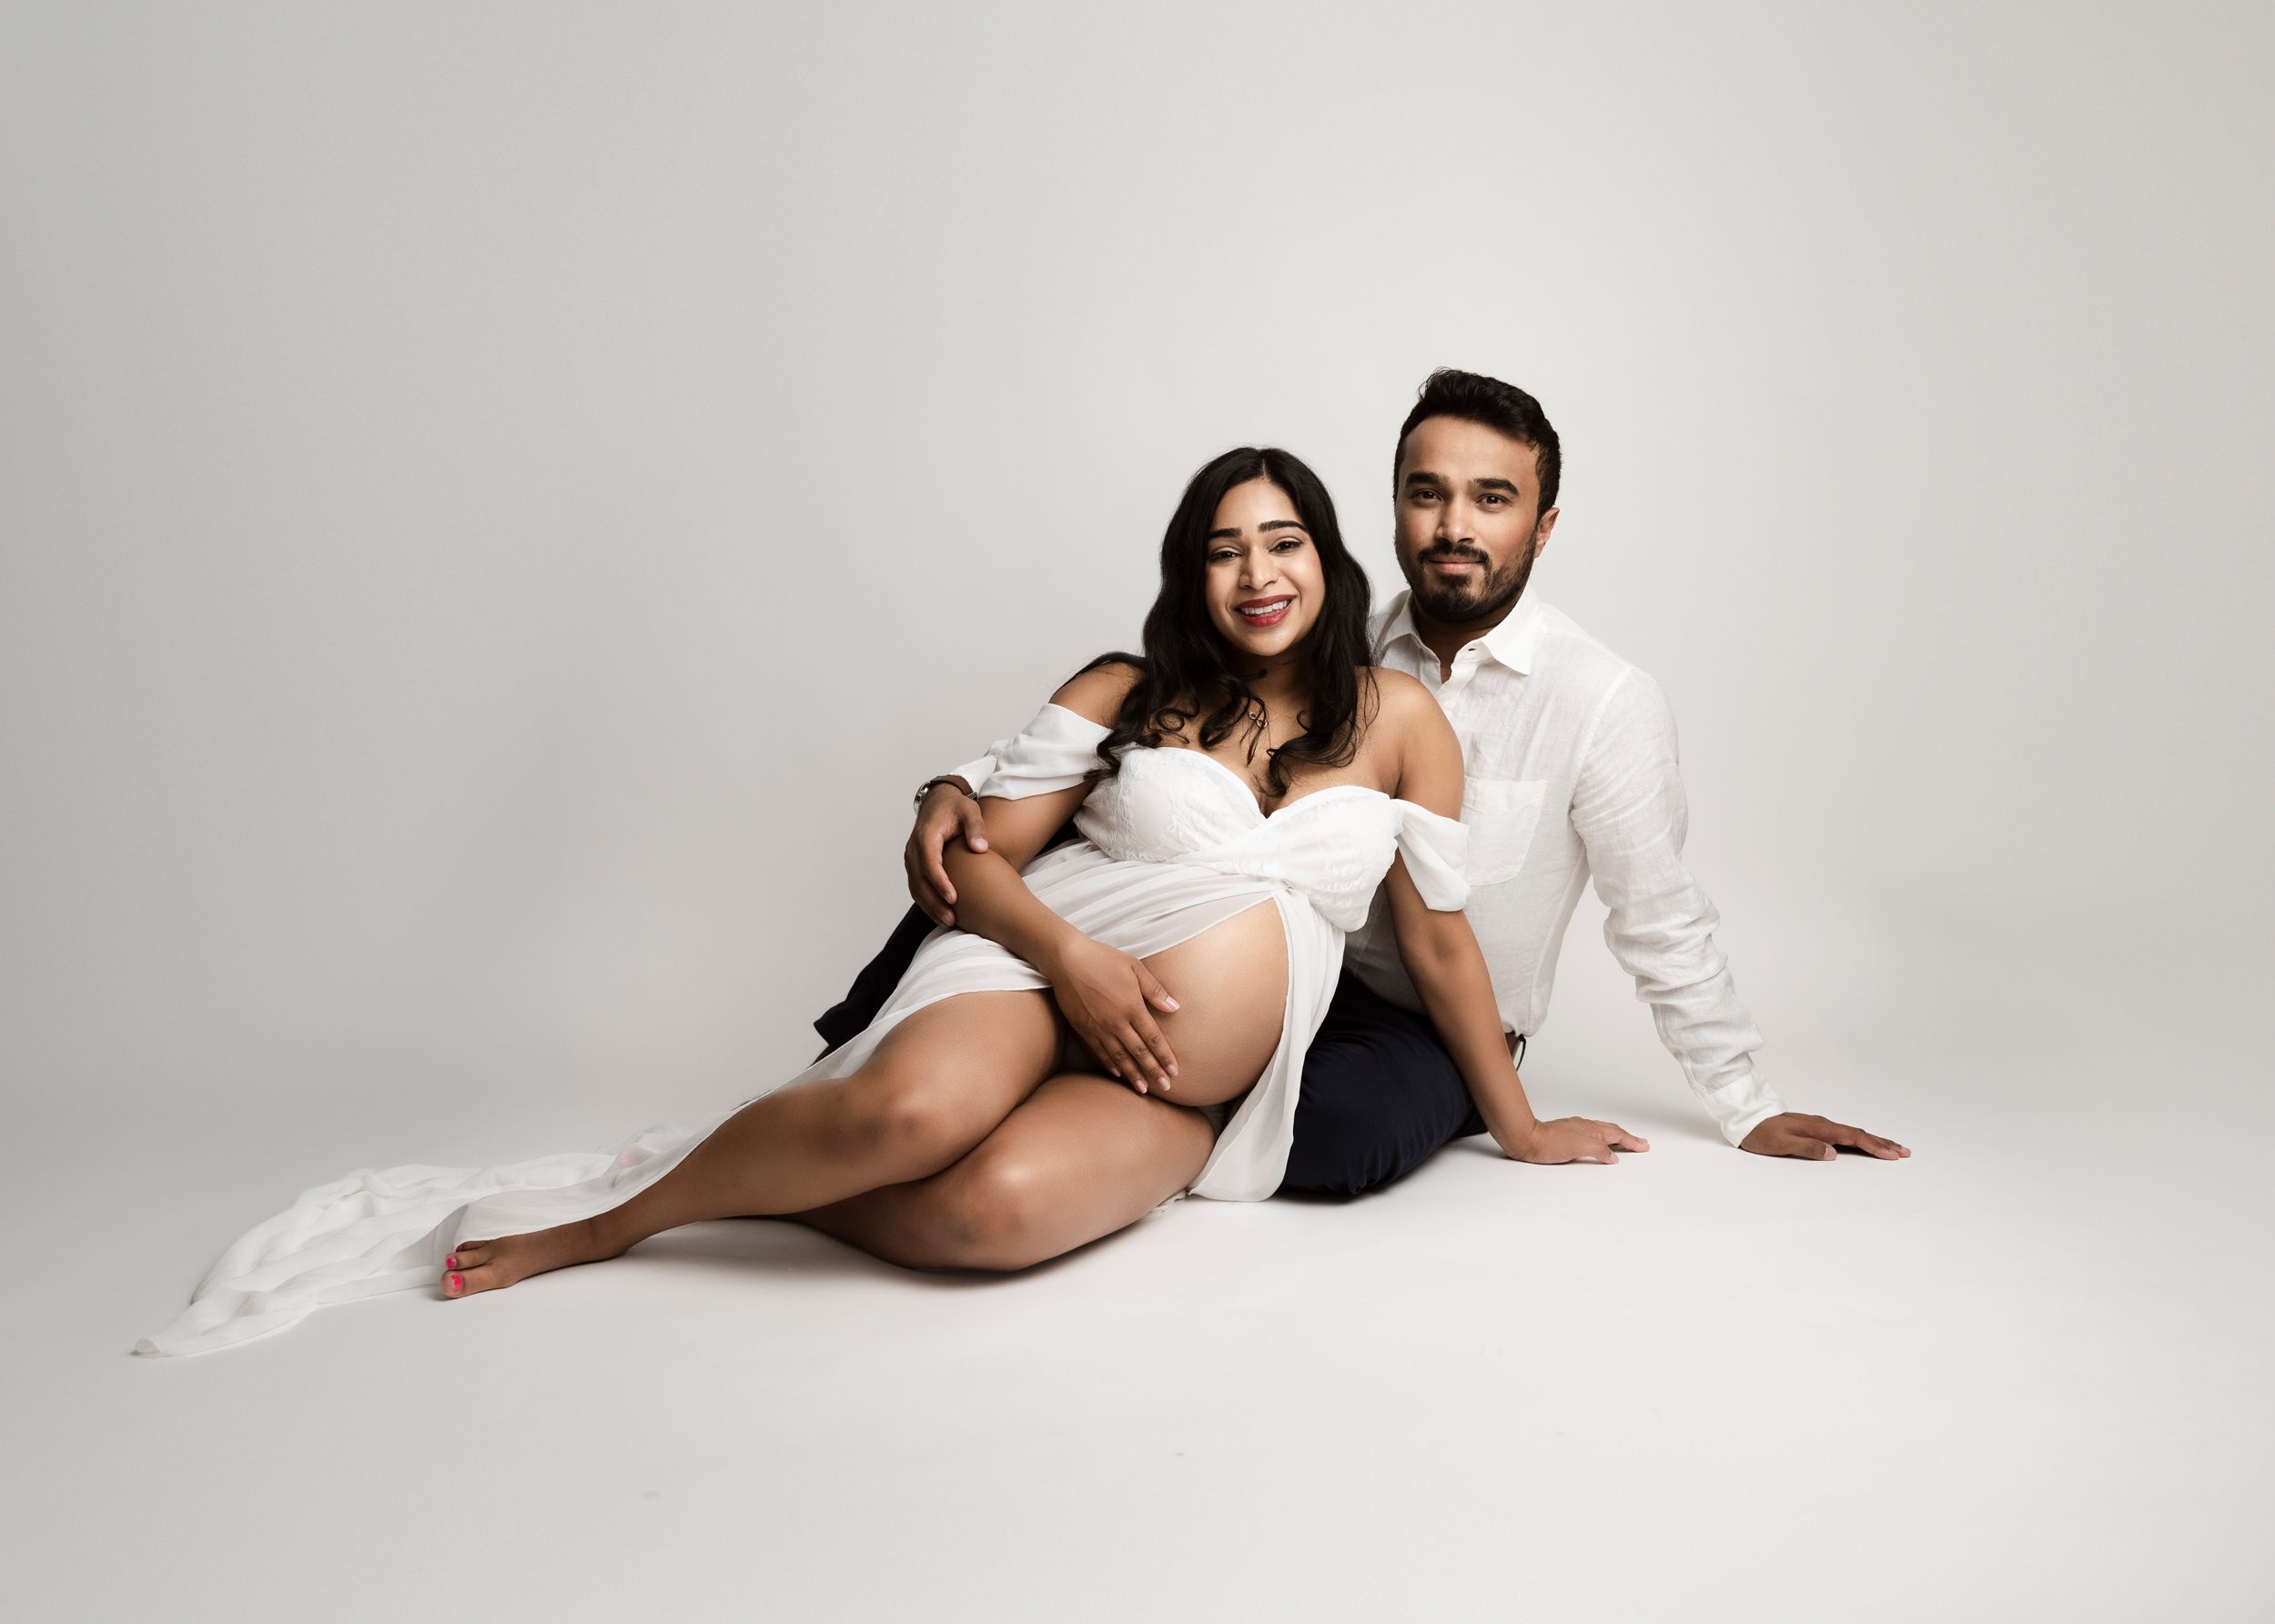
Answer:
(1502, 814)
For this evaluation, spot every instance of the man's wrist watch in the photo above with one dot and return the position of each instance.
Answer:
(957, 778)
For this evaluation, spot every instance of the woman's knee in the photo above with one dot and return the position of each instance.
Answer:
(904, 1117)
(995, 1214)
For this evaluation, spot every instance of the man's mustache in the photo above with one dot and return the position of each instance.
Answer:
(1459, 554)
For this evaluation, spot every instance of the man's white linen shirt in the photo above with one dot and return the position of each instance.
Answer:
(1572, 769)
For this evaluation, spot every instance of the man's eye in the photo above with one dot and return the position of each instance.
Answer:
(1494, 497)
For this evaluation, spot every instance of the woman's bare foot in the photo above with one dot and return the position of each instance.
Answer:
(485, 1266)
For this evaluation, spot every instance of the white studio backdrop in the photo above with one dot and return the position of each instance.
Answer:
(500, 504)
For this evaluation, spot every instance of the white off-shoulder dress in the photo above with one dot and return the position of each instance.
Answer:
(1171, 845)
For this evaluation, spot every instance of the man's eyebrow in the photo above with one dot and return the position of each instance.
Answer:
(1269, 524)
(1423, 477)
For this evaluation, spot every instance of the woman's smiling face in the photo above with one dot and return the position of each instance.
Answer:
(1263, 582)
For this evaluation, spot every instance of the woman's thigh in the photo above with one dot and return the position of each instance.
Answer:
(983, 1037)
(948, 1071)
(1081, 1158)
(1230, 983)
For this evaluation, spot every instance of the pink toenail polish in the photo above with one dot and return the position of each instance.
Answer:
(457, 1282)
(450, 1262)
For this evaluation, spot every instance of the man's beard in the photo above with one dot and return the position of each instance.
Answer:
(1463, 603)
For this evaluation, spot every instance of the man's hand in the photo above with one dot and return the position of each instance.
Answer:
(945, 813)
(1815, 1139)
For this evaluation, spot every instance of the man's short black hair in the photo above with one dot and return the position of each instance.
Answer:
(1451, 393)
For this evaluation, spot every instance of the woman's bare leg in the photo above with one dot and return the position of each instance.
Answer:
(937, 1085)
(1086, 1156)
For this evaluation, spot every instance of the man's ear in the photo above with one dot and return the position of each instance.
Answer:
(1541, 530)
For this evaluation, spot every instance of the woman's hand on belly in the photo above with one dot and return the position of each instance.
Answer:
(1108, 998)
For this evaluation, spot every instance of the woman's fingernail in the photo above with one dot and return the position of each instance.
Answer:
(1173, 1003)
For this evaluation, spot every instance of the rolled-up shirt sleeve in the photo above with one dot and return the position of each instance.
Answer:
(1630, 812)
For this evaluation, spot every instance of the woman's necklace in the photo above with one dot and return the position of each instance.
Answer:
(1258, 732)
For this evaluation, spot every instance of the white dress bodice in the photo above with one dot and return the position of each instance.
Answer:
(1330, 846)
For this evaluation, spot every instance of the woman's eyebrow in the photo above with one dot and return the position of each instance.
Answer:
(1269, 524)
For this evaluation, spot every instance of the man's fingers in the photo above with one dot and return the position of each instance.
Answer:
(928, 878)
(1887, 1150)
(937, 874)
(1840, 1132)
(972, 824)
(1821, 1139)
(921, 891)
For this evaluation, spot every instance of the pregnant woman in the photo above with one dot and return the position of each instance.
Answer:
(1240, 790)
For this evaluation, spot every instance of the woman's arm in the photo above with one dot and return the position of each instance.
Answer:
(1103, 992)
(1441, 955)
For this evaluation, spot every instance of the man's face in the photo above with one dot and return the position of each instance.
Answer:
(1468, 520)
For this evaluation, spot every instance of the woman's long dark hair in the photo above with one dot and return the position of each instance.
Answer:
(1187, 669)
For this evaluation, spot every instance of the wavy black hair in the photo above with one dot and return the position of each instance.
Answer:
(1188, 671)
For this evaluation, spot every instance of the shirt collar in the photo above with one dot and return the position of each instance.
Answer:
(1515, 642)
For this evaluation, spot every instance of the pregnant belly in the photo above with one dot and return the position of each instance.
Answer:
(1231, 983)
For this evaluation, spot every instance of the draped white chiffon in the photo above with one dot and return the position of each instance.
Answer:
(1171, 845)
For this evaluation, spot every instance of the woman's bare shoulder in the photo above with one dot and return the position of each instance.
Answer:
(1404, 701)
(1396, 687)
(1409, 719)
(1097, 692)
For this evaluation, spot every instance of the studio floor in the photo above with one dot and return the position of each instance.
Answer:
(2019, 1376)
